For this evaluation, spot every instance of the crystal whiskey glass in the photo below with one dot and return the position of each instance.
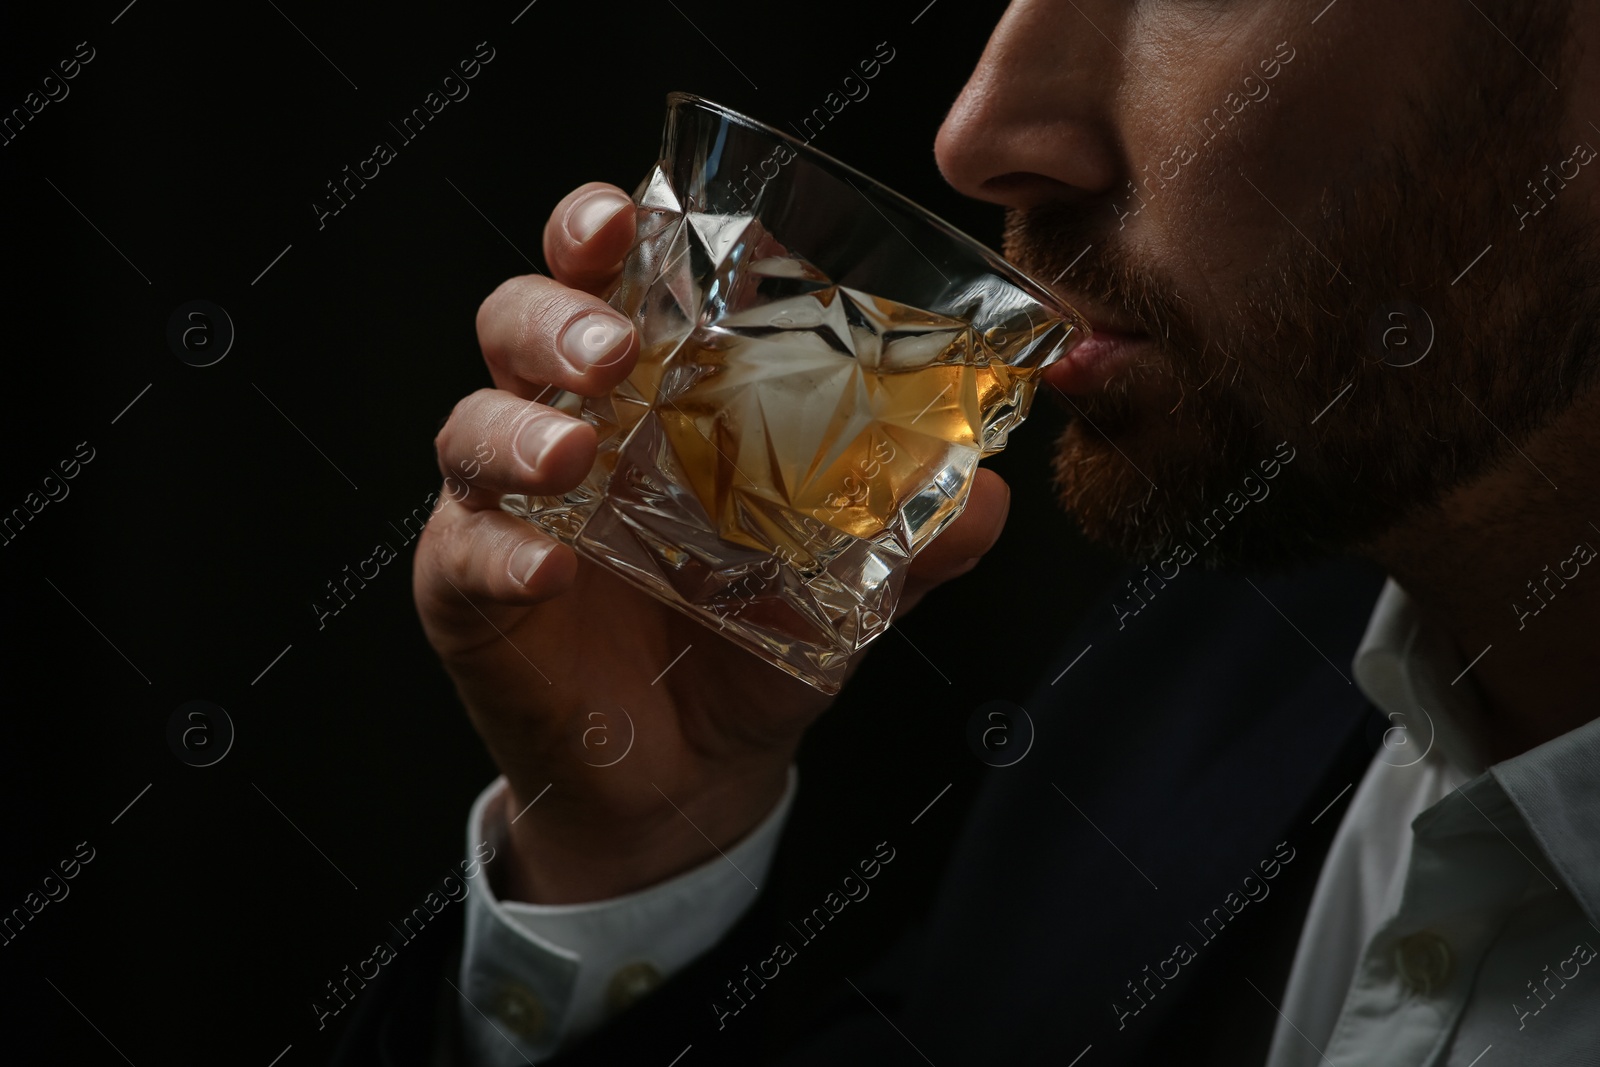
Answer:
(822, 365)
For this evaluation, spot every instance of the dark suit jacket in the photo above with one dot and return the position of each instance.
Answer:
(1130, 891)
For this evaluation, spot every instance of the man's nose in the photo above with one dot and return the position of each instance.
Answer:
(1034, 123)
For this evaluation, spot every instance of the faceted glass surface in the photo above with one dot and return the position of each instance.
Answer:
(822, 366)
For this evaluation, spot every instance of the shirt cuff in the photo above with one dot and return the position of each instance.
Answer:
(535, 977)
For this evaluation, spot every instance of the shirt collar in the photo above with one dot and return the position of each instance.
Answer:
(1556, 789)
(1414, 675)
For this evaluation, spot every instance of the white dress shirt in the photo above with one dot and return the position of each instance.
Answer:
(1455, 920)
(1454, 923)
(534, 976)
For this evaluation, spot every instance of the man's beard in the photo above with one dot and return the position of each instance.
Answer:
(1309, 354)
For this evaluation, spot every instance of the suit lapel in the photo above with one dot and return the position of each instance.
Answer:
(1176, 765)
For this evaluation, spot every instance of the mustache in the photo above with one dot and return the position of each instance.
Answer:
(1058, 244)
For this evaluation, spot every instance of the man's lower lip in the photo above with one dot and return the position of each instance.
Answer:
(1094, 361)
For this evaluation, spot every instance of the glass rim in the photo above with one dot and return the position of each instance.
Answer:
(1035, 288)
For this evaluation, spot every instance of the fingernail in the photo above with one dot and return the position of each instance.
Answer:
(587, 216)
(540, 435)
(525, 560)
(594, 340)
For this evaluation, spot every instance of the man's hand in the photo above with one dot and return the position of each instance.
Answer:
(537, 639)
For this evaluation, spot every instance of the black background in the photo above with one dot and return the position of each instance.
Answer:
(189, 550)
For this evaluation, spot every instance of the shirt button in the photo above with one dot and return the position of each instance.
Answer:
(518, 1007)
(629, 984)
(1424, 962)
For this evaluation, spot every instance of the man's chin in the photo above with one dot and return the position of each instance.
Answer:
(1151, 495)
(1114, 499)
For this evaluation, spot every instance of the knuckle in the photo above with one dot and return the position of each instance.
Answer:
(461, 413)
(494, 305)
(543, 312)
(480, 528)
(482, 539)
(441, 440)
(440, 455)
(485, 312)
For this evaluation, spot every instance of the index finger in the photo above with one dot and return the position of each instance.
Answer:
(588, 235)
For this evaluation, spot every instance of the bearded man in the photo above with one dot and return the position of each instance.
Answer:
(1341, 266)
